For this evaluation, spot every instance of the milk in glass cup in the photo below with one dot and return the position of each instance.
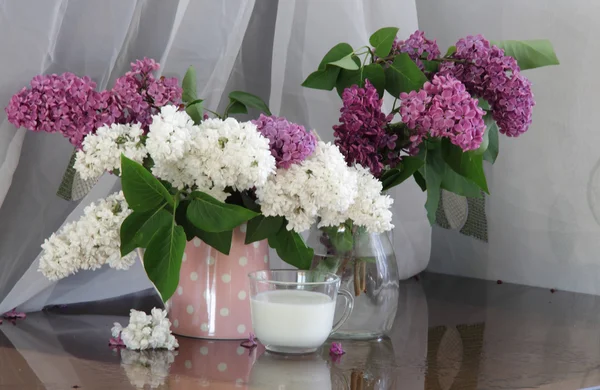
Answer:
(293, 310)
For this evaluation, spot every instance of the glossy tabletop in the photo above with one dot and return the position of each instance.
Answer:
(450, 333)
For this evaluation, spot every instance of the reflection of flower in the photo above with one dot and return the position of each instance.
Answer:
(146, 331)
(147, 368)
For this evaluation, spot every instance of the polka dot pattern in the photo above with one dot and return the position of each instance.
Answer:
(214, 364)
(205, 304)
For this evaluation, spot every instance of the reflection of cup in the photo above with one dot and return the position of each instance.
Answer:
(305, 372)
(292, 311)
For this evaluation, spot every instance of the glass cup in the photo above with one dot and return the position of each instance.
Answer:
(293, 311)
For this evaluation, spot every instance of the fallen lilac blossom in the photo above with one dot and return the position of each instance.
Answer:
(336, 349)
(250, 343)
(13, 314)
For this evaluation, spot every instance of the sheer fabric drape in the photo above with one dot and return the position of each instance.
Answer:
(265, 47)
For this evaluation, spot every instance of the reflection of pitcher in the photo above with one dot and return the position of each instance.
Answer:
(306, 372)
(219, 364)
(361, 367)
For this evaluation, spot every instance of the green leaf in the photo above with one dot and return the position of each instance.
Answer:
(491, 131)
(483, 104)
(430, 66)
(382, 40)
(336, 53)
(139, 227)
(189, 86)
(261, 228)
(142, 190)
(466, 164)
(529, 54)
(484, 143)
(250, 100)
(408, 167)
(322, 79)
(291, 248)
(403, 75)
(249, 202)
(420, 180)
(214, 216)
(162, 259)
(195, 111)
(453, 182)
(433, 172)
(451, 50)
(345, 63)
(372, 72)
(237, 108)
(220, 241)
(342, 241)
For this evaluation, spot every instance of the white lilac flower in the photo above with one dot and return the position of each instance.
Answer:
(209, 157)
(147, 368)
(370, 209)
(102, 151)
(88, 243)
(147, 331)
(320, 185)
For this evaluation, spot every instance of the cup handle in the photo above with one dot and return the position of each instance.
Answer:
(347, 310)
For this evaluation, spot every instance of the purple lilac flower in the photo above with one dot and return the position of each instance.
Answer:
(62, 103)
(336, 349)
(443, 108)
(415, 46)
(290, 143)
(497, 78)
(138, 94)
(362, 136)
(70, 105)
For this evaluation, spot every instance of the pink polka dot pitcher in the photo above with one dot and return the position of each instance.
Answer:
(212, 299)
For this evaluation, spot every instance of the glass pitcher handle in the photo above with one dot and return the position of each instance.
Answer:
(347, 310)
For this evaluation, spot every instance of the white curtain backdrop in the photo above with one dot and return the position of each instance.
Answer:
(544, 207)
(266, 47)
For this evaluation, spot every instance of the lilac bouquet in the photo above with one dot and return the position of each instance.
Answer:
(189, 176)
(447, 111)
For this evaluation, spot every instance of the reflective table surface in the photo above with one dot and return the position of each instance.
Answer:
(450, 333)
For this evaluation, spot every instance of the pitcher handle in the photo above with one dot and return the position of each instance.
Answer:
(347, 310)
